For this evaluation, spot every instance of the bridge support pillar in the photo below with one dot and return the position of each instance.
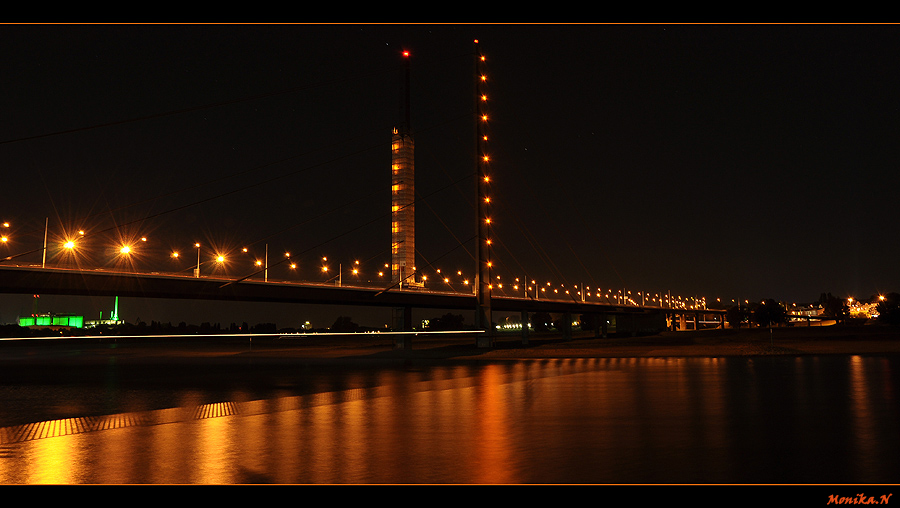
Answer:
(604, 325)
(402, 322)
(484, 321)
(485, 339)
(524, 328)
(567, 326)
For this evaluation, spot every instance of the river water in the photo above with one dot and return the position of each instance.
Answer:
(783, 420)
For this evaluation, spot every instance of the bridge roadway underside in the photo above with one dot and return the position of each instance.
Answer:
(36, 280)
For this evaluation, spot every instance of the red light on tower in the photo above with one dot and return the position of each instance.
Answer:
(403, 192)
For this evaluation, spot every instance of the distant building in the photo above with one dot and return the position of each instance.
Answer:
(806, 313)
(49, 320)
(53, 321)
(810, 311)
(112, 321)
(101, 322)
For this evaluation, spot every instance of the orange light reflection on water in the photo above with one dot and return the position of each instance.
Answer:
(547, 421)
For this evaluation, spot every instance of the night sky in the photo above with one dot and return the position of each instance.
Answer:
(725, 161)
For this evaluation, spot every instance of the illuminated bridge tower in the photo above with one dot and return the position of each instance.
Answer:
(403, 209)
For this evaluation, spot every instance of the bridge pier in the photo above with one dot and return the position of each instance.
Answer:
(402, 322)
(524, 327)
(567, 326)
(596, 323)
(485, 339)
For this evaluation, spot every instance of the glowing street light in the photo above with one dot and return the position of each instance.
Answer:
(197, 270)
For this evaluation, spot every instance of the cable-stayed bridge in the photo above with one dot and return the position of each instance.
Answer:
(592, 315)
(114, 260)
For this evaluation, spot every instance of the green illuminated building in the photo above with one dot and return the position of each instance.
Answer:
(52, 321)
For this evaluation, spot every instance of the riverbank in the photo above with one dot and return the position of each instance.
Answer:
(718, 343)
(702, 343)
(817, 340)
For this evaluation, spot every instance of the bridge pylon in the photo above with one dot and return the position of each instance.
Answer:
(483, 320)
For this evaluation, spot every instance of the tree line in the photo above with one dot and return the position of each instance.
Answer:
(772, 313)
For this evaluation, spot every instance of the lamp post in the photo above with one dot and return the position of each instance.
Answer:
(197, 270)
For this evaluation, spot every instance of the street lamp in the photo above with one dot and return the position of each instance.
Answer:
(197, 270)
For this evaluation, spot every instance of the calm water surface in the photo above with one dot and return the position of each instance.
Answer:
(823, 420)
